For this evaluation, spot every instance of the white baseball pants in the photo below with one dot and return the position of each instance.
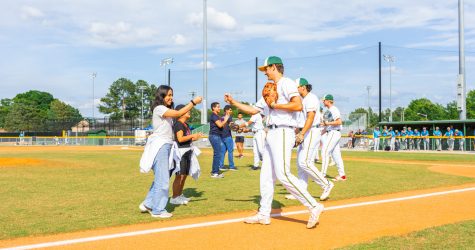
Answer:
(305, 155)
(376, 144)
(258, 146)
(276, 165)
(331, 146)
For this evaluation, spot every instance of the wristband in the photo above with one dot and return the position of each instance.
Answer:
(192, 102)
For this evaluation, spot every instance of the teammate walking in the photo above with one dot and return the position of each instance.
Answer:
(332, 122)
(259, 138)
(279, 142)
(311, 135)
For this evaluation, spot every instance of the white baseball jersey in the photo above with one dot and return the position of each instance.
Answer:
(330, 115)
(286, 89)
(257, 122)
(310, 103)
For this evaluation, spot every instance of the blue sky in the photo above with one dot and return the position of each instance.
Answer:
(52, 46)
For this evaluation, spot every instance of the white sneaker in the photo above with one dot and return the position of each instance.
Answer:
(290, 197)
(326, 191)
(162, 215)
(258, 219)
(178, 201)
(217, 175)
(184, 198)
(143, 208)
(314, 216)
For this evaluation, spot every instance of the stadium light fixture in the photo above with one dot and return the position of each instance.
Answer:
(165, 62)
(390, 59)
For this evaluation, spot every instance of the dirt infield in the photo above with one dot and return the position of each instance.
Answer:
(338, 226)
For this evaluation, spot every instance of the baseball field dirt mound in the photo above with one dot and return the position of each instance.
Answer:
(15, 162)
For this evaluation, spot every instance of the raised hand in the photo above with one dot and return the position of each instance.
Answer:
(198, 99)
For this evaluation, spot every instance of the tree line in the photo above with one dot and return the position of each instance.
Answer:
(421, 109)
(37, 111)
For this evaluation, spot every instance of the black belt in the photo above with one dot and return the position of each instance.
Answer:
(279, 126)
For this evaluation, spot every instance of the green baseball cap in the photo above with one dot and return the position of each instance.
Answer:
(328, 97)
(269, 61)
(301, 82)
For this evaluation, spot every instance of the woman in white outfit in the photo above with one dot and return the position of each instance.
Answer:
(156, 155)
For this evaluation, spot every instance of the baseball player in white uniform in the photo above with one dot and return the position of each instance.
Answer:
(280, 140)
(258, 139)
(332, 122)
(312, 133)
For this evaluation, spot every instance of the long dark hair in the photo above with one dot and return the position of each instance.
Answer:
(160, 94)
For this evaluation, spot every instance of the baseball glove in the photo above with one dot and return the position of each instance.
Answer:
(269, 92)
(234, 127)
(298, 139)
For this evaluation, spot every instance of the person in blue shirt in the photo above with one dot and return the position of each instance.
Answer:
(410, 135)
(384, 133)
(376, 135)
(450, 138)
(425, 138)
(398, 140)
(459, 133)
(438, 144)
(404, 138)
(417, 140)
(392, 134)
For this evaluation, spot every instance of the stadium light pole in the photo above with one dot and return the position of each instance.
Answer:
(461, 85)
(94, 75)
(368, 88)
(204, 115)
(142, 88)
(390, 59)
(165, 62)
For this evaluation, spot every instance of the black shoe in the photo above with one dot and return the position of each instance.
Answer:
(254, 168)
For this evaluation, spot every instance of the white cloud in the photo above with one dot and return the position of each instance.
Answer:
(179, 39)
(121, 33)
(29, 12)
(215, 20)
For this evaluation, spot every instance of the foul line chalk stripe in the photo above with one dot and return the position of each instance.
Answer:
(220, 222)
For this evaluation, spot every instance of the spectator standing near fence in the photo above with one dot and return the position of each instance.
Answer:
(350, 139)
(459, 133)
(450, 138)
(438, 144)
(376, 135)
(356, 138)
(425, 138)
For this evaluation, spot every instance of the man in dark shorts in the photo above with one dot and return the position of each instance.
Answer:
(183, 138)
(240, 136)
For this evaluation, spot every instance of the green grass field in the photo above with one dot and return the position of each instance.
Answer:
(453, 236)
(78, 190)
